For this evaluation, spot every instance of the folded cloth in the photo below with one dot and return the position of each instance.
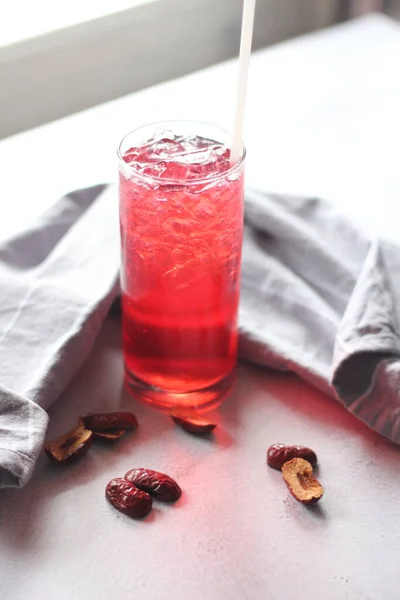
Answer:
(322, 300)
(57, 282)
(318, 298)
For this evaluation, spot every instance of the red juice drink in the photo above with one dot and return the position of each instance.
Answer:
(181, 218)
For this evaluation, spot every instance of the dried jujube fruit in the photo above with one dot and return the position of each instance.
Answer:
(192, 422)
(278, 454)
(109, 435)
(106, 421)
(299, 478)
(71, 445)
(127, 498)
(159, 485)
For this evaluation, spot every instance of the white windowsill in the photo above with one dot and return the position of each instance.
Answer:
(44, 16)
(140, 43)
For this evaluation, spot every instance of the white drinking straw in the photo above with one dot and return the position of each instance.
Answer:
(244, 59)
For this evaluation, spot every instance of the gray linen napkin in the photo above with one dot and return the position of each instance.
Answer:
(322, 300)
(57, 281)
(318, 298)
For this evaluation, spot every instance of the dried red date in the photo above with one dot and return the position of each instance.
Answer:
(71, 445)
(299, 478)
(278, 454)
(127, 498)
(159, 485)
(104, 421)
(192, 423)
(109, 435)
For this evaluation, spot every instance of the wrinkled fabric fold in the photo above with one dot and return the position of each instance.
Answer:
(57, 282)
(321, 299)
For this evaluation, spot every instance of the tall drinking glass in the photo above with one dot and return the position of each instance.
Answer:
(181, 218)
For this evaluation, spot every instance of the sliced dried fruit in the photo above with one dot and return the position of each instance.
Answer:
(298, 476)
(278, 454)
(159, 485)
(109, 435)
(104, 421)
(127, 498)
(192, 422)
(71, 445)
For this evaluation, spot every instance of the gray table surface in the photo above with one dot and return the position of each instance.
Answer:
(323, 117)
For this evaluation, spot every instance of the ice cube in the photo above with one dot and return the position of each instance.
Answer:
(131, 155)
(179, 158)
(161, 133)
(165, 149)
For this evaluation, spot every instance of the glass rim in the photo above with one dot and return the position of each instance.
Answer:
(168, 180)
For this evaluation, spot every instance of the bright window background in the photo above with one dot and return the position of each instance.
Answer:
(21, 19)
(69, 55)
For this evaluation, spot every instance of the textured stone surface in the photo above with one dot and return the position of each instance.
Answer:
(236, 532)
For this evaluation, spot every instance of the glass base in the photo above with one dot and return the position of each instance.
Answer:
(203, 400)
